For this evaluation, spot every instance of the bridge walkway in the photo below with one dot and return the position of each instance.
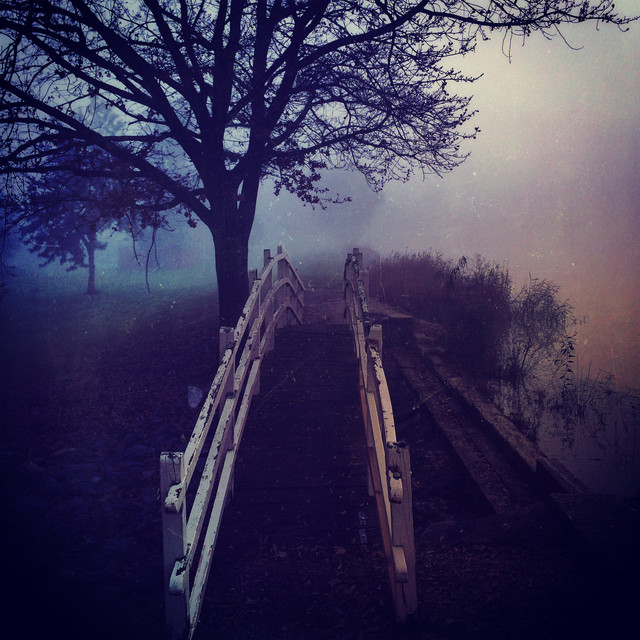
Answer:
(302, 476)
(300, 538)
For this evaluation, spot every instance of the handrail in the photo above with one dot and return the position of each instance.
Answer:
(389, 463)
(272, 303)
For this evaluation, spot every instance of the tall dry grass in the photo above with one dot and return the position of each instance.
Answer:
(471, 300)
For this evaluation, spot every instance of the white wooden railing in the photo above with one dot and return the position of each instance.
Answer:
(389, 464)
(192, 512)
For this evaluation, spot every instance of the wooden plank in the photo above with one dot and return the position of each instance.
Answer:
(290, 269)
(401, 573)
(386, 408)
(207, 413)
(222, 439)
(379, 472)
(250, 351)
(267, 342)
(243, 412)
(247, 312)
(211, 537)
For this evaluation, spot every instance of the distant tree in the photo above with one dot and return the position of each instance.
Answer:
(7, 249)
(216, 95)
(66, 231)
(64, 213)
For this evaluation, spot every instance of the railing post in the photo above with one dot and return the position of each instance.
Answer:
(225, 337)
(284, 293)
(174, 546)
(404, 554)
(375, 338)
(253, 276)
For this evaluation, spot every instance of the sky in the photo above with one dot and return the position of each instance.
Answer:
(551, 189)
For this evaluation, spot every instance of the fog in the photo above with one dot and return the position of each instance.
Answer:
(551, 188)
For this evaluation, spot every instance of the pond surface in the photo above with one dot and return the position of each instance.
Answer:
(593, 430)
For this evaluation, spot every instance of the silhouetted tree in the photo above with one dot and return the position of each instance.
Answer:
(214, 96)
(66, 231)
(65, 211)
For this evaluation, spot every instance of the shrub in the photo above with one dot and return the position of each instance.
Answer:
(471, 302)
(537, 332)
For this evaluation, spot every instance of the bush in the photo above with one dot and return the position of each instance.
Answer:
(488, 331)
(537, 332)
(472, 303)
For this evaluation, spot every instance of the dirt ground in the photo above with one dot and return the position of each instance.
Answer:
(94, 388)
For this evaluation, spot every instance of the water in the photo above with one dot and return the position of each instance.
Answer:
(592, 429)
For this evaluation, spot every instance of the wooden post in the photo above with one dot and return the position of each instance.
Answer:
(404, 553)
(225, 337)
(375, 338)
(174, 546)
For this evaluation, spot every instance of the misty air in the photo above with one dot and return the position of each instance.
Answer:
(320, 319)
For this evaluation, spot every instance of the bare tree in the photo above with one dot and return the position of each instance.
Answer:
(214, 96)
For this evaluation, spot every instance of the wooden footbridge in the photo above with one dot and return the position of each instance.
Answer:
(293, 498)
(320, 462)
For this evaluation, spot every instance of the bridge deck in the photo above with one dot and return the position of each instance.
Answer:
(301, 530)
(302, 477)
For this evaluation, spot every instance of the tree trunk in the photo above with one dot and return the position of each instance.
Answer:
(232, 255)
(231, 228)
(91, 257)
